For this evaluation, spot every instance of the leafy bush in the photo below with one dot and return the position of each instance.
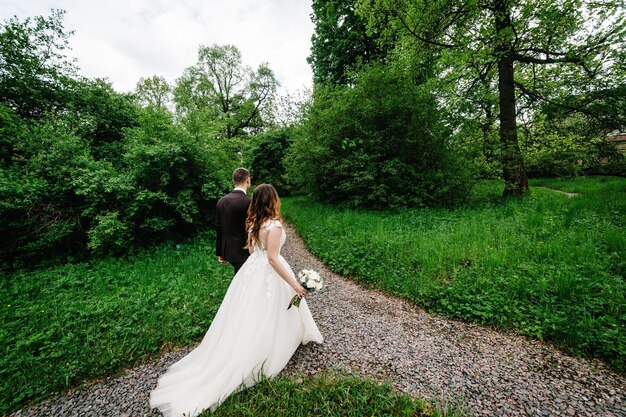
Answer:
(41, 213)
(59, 199)
(176, 177)
(100, 116)
(267, 158)
(82, 166)
(108, 233)
(606, 159)
(366, 145)
(567, 147)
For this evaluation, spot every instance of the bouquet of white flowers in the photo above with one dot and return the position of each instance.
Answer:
(310, 280)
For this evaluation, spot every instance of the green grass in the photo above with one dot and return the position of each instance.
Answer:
(549, 266)
(70, 323)
(328, 395)
(65, 324)
(582, 185)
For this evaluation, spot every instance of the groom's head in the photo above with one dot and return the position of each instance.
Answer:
(241, 178)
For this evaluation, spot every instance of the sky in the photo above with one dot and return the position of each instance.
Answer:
(124, 40)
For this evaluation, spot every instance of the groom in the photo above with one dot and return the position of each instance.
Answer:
(232, 210)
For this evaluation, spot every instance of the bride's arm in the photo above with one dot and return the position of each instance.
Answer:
(273, 249)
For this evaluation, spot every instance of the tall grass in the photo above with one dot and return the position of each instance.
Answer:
(65, 324)
(77, 321)
(328, 395)
(549, 266)
(583, 185)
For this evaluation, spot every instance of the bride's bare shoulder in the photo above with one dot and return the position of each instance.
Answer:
(272, 223)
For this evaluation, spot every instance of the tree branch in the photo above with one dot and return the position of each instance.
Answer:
(413, 32)
(534, 60)
(543, 61)
(534, 95)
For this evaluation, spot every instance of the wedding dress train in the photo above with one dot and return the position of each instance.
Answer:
(253, 334)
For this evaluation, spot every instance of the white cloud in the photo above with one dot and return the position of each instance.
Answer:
(123, 40)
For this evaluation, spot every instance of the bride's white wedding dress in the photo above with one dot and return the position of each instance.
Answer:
(252, 334)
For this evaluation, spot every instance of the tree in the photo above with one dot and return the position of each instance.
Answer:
(291, 108)
(220, 93)
(83, 166)
(534, 50)
(33, 66)
(340, 42)
(153, 91)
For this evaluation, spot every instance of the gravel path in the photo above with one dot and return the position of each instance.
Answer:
(370, 333)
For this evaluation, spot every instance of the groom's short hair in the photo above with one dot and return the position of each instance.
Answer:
(240, 175)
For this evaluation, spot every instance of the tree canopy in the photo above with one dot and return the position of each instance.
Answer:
(223, 94)
(154, 91)
(33, 64)
(340, 43)
(541, 50)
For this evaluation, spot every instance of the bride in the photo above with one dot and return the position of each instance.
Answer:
(253, 334)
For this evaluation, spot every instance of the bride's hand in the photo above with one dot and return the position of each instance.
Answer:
(301, 291)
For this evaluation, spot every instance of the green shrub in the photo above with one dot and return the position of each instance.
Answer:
(109, 234)
(267, 158)
(568, 147)
(59, 199)
(175, 176)
(367, 144)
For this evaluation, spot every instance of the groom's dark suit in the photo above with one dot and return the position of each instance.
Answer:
(232, 210)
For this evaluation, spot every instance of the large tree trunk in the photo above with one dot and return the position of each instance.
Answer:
(513, 171)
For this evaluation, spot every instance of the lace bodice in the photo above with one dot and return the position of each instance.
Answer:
(263, 233)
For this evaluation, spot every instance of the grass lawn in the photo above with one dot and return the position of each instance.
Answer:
(74, 322)
(328, 395)
(549, 266)
(65, 324)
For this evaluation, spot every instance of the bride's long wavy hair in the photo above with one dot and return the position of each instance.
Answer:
(265, 205)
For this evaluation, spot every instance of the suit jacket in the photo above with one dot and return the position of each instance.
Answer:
(232, 210)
